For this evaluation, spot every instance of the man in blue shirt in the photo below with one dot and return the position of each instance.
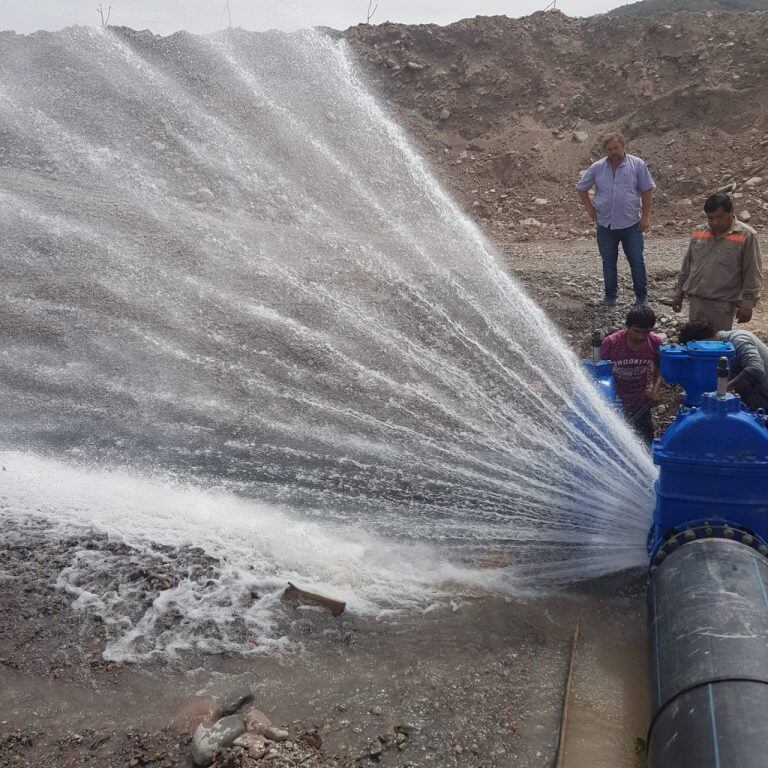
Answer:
(622, 211)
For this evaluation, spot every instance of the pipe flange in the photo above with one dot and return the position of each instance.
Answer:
(706, 530)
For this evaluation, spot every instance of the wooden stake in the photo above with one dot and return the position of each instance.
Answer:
(294, 594)
(567, 697)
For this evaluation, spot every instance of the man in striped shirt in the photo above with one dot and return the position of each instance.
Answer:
(722, 272)
(621, 208)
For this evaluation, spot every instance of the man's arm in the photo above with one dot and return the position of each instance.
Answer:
(685, 270)
(583, 186)
(645, 218)
(752, 278)
(646, 185)
(654, 395)
(749, 360)
(587, 203)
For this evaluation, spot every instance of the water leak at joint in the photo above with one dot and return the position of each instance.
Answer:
(226, 267)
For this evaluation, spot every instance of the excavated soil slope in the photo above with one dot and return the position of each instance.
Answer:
(499, 105)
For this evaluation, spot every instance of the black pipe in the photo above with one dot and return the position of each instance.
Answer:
(708, 635)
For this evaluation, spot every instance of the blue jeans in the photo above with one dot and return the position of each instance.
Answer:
(632, 242)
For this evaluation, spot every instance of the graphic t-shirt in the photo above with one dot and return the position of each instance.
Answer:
(631, 367)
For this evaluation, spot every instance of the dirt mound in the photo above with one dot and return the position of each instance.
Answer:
(649, 7)
(511, 110)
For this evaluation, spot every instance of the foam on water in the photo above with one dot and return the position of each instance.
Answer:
(226, 267)
(258, 548)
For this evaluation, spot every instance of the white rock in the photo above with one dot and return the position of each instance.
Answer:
(159, 146)
(205, 194)
(541, 201)
(531, 223)
(580, 136)
(208, 738)
(754, 181)
(744, 215)
(445, 113)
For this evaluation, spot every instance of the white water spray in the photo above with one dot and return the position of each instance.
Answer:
(225, 264)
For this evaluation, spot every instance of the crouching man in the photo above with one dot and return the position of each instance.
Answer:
(634, 352)
(750, 367)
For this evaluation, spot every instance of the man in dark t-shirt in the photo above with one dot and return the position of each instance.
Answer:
(634, 352)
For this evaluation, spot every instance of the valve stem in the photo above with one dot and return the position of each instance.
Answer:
(722, 377)
(597, 340)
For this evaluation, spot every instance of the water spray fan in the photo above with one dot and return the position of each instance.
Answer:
(708, 580)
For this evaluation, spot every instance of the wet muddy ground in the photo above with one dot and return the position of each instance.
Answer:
(478, 683)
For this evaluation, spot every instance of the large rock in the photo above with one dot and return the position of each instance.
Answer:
(209, 738)
(275, 734)
(580, 136)
(255, 720)
(754, 181)
(195, 711)
(233, 700)
(744, 215)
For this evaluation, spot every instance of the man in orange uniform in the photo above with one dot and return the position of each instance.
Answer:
(722, 272)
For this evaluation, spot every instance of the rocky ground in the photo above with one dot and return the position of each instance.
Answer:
(476, 684)
(511, 110)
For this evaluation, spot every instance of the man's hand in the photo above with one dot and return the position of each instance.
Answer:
(743, 314)
(644, 224)
(677, 304)
(592, 213)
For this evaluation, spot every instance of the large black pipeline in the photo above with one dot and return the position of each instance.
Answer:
(708, 617)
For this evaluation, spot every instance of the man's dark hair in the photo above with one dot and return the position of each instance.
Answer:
(718, 200)
(641, 317)
(696, 330)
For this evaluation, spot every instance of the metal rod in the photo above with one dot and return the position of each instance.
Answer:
(567, 697)
(597, 341)
(722, 377)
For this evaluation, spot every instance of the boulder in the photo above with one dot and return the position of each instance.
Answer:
(275, 734)
(580, 136)
(195, 711)
(744, 215)
(255, 720)
(233, 700)
(208, 738)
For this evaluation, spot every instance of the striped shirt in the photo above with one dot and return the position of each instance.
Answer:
(618, 196)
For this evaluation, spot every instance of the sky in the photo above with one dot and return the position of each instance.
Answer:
(167, 16)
